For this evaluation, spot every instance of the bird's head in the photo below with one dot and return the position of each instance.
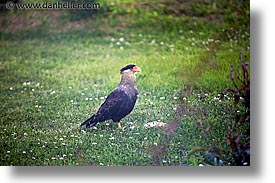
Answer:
(131, 68)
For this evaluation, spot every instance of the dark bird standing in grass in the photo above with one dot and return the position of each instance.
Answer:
(121, 101)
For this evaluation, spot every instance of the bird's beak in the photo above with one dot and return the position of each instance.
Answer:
(136, 69)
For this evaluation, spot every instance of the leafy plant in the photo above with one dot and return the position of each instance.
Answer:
(241, 93)
(231, 125)
(241, 83)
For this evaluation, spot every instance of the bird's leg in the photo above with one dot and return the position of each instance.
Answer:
(111, 125)
(119, 125)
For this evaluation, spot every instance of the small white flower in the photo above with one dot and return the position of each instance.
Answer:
(94, 143)
(121, 39)
(162, 98)
(8, 151)
(24, 152)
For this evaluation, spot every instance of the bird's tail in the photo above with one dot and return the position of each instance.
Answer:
(89, 122)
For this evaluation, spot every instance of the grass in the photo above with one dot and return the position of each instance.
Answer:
(55, 72)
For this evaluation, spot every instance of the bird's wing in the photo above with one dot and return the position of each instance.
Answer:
(116, 103)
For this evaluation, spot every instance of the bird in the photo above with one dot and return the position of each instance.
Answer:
(120, 102)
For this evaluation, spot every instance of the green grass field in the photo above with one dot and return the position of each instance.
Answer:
(55, 72)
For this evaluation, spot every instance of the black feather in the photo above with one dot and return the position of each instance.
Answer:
(118, 104)
(130, 66)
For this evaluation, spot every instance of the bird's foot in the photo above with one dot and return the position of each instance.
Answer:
(119, 125)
